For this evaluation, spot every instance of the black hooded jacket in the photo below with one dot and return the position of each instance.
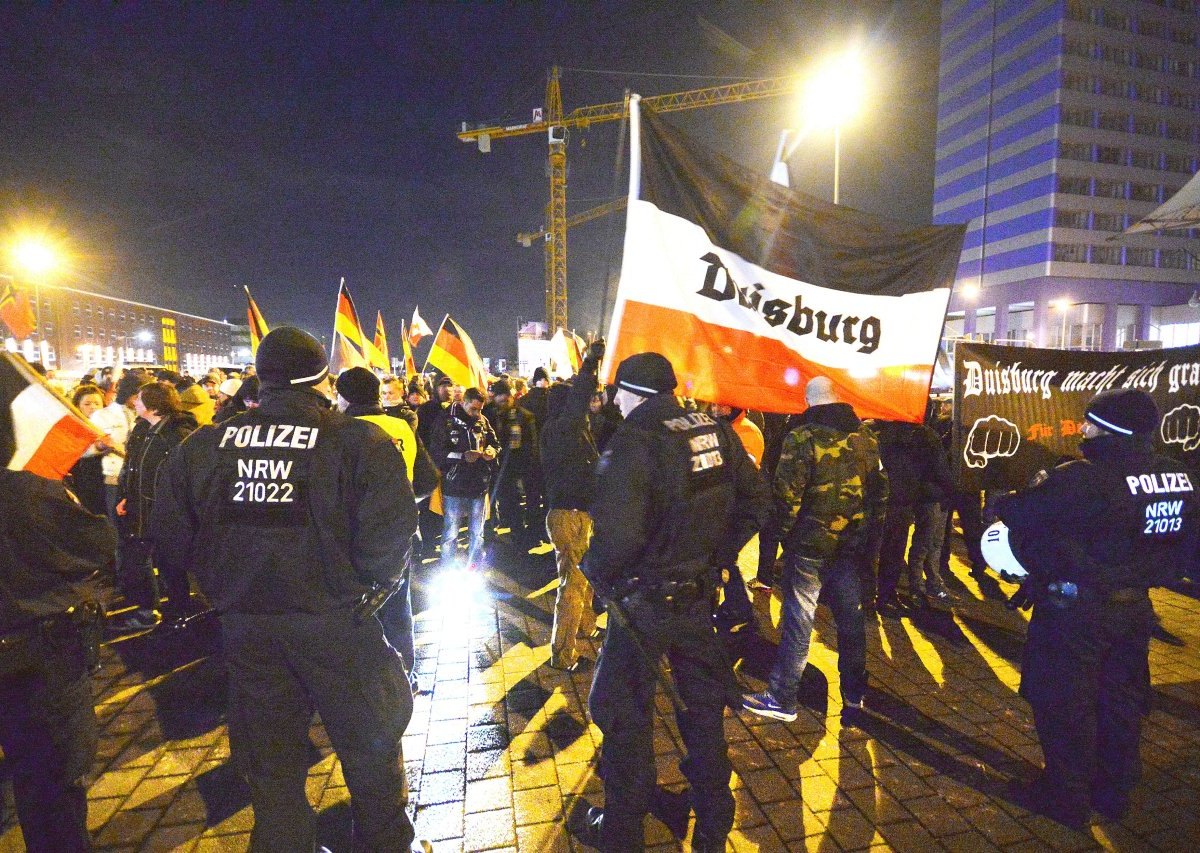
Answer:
(569, 452)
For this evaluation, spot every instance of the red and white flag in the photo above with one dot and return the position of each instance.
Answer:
(418, 328)
(40, 431)
(751, 289)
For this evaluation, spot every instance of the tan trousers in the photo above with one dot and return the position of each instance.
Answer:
(570, 531)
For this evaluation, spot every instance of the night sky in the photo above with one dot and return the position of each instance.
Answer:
(186, 151)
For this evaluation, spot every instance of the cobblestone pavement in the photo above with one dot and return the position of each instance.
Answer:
(501, 755)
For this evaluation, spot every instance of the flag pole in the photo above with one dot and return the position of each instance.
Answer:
(336, 303)
(435, 337)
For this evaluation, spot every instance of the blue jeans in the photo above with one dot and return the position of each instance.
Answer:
(803, 579)
(453, 512)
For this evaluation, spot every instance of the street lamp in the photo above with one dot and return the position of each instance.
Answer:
(34, 256)
(833, 96)
(1062, 306)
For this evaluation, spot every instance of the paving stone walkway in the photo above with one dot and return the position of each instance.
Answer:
(501, 755)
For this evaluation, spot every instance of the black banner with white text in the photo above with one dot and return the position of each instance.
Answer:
(1018, 410)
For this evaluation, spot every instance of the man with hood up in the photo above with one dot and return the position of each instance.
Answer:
(830, 489)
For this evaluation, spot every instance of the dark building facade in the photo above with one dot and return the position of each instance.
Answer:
(1061, 123)
(78, 331)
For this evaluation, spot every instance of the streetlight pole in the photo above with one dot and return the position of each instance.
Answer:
(837, 150)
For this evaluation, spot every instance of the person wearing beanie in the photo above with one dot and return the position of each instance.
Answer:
(358, 395)
(675, 495)
(1095, 534)
(228, 403)
(291, 516)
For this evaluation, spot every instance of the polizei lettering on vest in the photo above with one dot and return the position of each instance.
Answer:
(273, 435)
(801, 319)
(1158, 484)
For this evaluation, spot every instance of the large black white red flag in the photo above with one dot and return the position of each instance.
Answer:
(751, 289)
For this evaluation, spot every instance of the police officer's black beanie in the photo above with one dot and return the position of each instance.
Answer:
(646, 374)
(540, 374)
(1123, 411)
(290, 358)
(358, 386)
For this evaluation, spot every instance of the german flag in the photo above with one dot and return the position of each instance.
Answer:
(454, 354)
(258, 326)
(348, 346)
(410, 363)
(378, 354)
(15, 310)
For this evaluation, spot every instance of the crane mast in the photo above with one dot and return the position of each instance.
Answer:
(556, 126)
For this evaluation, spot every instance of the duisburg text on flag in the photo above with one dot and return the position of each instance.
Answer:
(751, 289)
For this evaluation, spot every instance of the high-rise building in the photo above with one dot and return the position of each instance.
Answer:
(1061, 123)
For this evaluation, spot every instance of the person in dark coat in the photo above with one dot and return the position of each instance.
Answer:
(935, 492)
(291, 515)
(465, 450)
(51, 551)
(162, 425)
(603, 417)
(899, 449)
(676, 495)
(431, 416)
(517, 489)
(569, 457)
(1094, 536)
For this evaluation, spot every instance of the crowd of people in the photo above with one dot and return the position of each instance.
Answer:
(298, 506)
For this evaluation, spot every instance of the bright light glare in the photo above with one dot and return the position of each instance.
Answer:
(1061, 304)
(456, 587)
(835, 92)
(145, 337)
(969, 291)
(35, 256)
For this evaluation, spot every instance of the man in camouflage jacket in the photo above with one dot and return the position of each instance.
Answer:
(830, 489)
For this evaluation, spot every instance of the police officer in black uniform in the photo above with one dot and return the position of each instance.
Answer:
(1095, 535)
(676, 499)
(51, 549)
(288, 514)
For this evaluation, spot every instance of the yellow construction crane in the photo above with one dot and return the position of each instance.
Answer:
(528, 238)
(555, 125)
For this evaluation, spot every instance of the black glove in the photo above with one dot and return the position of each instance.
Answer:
(1021, 599)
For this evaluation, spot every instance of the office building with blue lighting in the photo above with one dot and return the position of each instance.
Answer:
(1061, 123)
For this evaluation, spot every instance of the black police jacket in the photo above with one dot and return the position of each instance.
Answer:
(676, 495)
(569, 453)
(287, 508)
(50, 549)
(1123, 517)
